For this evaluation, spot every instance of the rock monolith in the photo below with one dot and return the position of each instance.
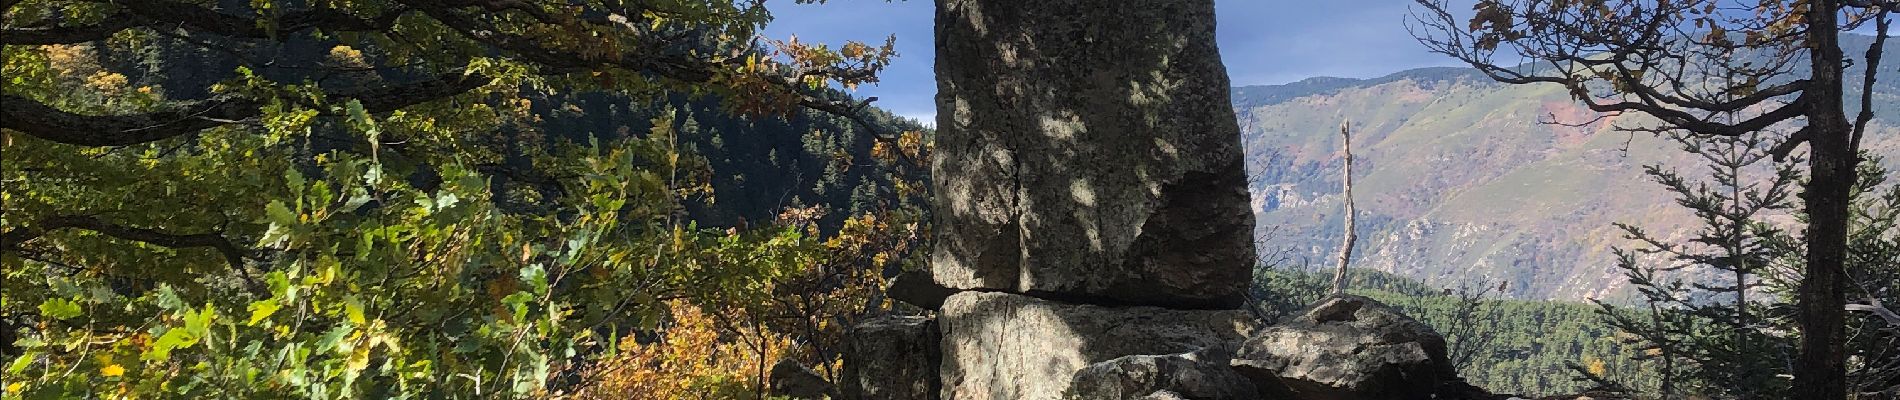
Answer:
(1087, 150)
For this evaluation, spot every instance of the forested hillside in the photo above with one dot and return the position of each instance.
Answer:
(1463, 179)
(758, 166)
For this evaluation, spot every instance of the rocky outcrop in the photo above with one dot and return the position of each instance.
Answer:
(892, 358)
(1349, 348)
(1202, 374)
(1087, 150)
(1000, 346)
(1088, 192)
(789, 379)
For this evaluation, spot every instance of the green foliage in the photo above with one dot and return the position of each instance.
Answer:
(1715, 315)
(475, 245)
(1695, 319)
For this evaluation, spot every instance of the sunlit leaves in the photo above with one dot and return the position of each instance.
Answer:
(196, 325)
(59, 309)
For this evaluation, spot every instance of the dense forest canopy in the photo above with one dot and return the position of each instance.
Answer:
(295, 198)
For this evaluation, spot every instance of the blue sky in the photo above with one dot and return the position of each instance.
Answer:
(1263, 42)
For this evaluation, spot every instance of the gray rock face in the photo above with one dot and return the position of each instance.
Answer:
(795, 381)
(999, 346)
(1088, 149)
(1201, 375)
(1348, 348)
(892, 358)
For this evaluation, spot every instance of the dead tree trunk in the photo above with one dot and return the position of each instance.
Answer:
(1352, 235)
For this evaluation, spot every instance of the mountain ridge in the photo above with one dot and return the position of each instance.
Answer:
(1460, 182)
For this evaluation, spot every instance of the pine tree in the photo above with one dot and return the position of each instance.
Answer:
(1705, 335)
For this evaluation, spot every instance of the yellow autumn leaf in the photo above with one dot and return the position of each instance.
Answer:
(112, 370)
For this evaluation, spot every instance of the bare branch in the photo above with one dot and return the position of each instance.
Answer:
(1867, 82)
(1879, 310)
(1641, 53)
(1352, 234)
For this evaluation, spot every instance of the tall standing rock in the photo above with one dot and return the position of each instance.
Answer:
(1086, 150)
(1090, 196)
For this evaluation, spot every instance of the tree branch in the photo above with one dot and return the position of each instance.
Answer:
(1584, 52)
(654, 59)
(1781, 151)
(171, 13)
(1874, 307)
(651, 54)
(1867, 82)
(234, 255)
(67, 34)
(46, 122)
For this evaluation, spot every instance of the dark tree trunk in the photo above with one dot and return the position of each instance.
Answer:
(1819, 369)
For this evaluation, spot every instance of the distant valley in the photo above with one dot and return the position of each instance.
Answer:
(1458, 182)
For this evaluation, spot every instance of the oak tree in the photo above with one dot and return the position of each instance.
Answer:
(329, 198)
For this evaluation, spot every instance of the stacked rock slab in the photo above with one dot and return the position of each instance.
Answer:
(1090, 195)
(1007, 346)
(1201, 374)
(892, 358)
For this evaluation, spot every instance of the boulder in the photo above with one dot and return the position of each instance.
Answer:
(792, 380)
(999, 346)
(1088, 149)
(1202, 374)
(892, 357)
(1348, 348)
